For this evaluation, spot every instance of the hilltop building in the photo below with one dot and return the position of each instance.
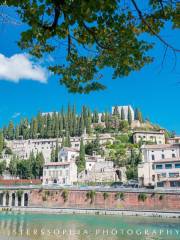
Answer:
(23, 148)
(160, 165)
(173, 140)
(156, 137)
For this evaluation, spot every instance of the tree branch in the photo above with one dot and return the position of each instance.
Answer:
(69, 44)
(93, 34)
(57, 11)
(151, 29)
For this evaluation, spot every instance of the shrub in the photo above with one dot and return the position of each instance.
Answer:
(153, 195)
(142, 197)
(91, 195)
(65, 194)
(47, 193)
(105, 195)
(19, 193)
(44, 198)
(161, 197)
(119, 195)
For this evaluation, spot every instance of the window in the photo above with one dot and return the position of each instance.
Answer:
(163, 174)
(173, 174)
(153, 157)
(159, 166)
(168, 166)
(177, 165)
(160, 184)
(173, 155)
(162, 156)
(175, 184)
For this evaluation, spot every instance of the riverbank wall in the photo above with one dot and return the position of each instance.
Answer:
(91, 199)
(128, 200)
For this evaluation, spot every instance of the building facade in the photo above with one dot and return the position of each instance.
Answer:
(160, 165)
(173, 140)
(156, 137)
(63, 172)
(100, 170)
(23, 148)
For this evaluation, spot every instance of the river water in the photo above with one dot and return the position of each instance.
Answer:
(19, 226)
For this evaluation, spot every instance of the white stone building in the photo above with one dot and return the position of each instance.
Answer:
(100, 170)
(160, 165)
(67, 154)
(156, 137)
(63, 172)
(173, 140)
(125, 111)
(23, 148)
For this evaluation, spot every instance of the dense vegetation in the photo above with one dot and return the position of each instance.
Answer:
(27, 169)
(69, 123)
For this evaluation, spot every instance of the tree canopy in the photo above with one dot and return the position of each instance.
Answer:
(94, 35)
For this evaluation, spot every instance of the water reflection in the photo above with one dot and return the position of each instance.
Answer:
(81, 227)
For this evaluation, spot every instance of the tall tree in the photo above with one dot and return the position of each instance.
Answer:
(2, 167)
(81, 163)
(17, 132)
(129, 116)
(10, 131)
(57, 151)
(13, 166)
(138, 115)
(122, 114)
(1, 142)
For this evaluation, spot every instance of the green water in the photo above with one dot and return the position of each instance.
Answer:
(83, 227)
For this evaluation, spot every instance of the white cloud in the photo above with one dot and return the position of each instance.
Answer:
(21, 67)
(15, 115)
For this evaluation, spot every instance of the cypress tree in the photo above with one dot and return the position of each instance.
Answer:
(129, 116)
(10, 131)
(122, 114)
(17, 132)
(138, 115)
(81, 126)
(1, 142)
(116, 111)
(49, 126)
(102, 117)
(53, 155)
(81, 163)
(57, 151)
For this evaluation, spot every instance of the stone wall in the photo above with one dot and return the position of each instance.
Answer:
(111, 200)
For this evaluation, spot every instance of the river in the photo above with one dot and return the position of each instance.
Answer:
(26, 226)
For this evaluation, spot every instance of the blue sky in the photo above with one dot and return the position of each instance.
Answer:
(154, 89)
